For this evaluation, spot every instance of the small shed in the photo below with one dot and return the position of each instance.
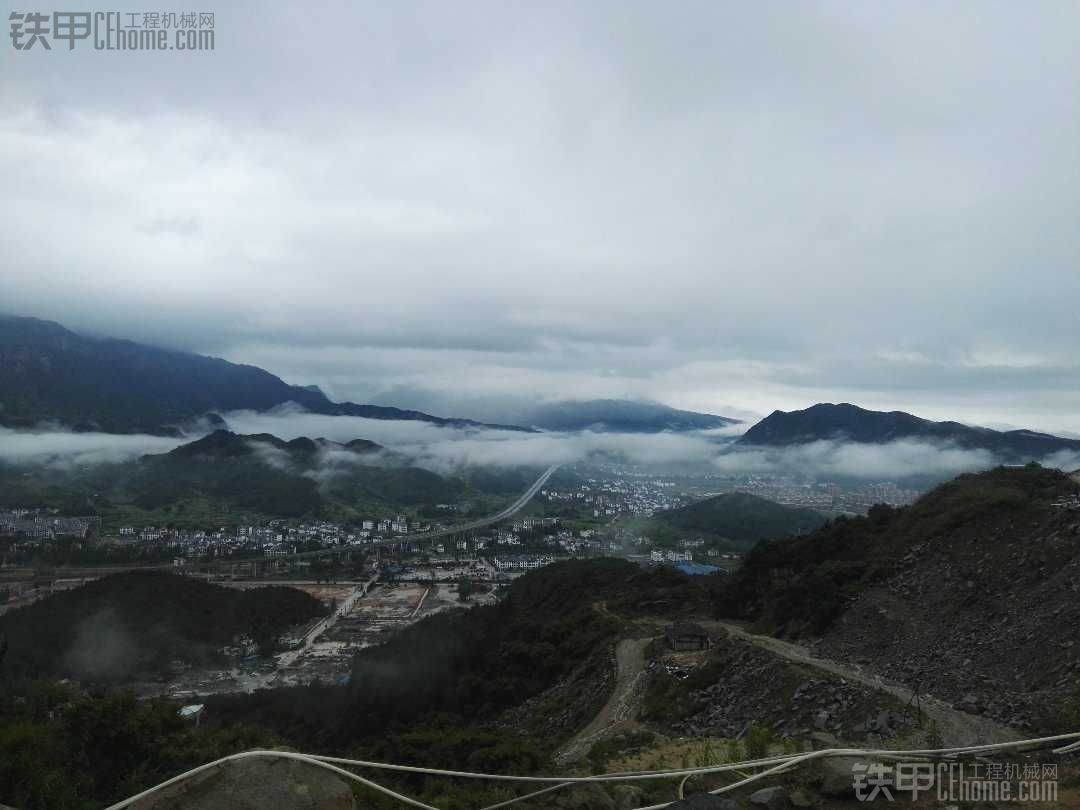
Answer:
(687, 637)
(192, 712)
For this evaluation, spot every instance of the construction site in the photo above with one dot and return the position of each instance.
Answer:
(362, 614)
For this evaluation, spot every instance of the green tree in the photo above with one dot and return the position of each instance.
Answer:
(465, 589)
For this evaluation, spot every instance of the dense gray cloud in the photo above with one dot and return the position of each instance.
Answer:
(448, 450)
(828, 459)
(720, 206)
(55, 447)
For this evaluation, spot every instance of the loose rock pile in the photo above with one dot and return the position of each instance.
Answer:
(753, 686)
(986, 618)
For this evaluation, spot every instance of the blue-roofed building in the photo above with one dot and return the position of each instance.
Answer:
(698, 569)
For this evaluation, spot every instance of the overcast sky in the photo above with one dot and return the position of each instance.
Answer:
(726, 207)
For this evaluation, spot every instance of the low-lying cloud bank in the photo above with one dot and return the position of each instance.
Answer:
(447, 450)
(328, 463)
(58, 448)
(898, 459)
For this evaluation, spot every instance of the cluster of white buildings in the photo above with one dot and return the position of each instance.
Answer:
(44, 524)
(534, 523)
(387, 526)
(276, 538)
(827, 495)
(524, 562)
(610, 498)
(670, 555)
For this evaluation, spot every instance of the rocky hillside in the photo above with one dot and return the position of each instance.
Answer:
(971, 592)
(738, 685)
(990, 620)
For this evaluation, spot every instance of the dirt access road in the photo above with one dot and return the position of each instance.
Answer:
(620, 711)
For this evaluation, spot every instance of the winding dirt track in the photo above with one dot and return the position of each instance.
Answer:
(957, 728)
(621, 709)
(620, 712)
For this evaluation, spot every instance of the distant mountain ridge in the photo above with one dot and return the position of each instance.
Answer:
(227, 477)
(226, 444)
(48, 373)
(846, 422)
(621, 416)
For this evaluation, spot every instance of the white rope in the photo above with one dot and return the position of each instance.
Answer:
(1068, 749)
(282, 755)
(526, 796)
(936, 753)
(773, 765)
